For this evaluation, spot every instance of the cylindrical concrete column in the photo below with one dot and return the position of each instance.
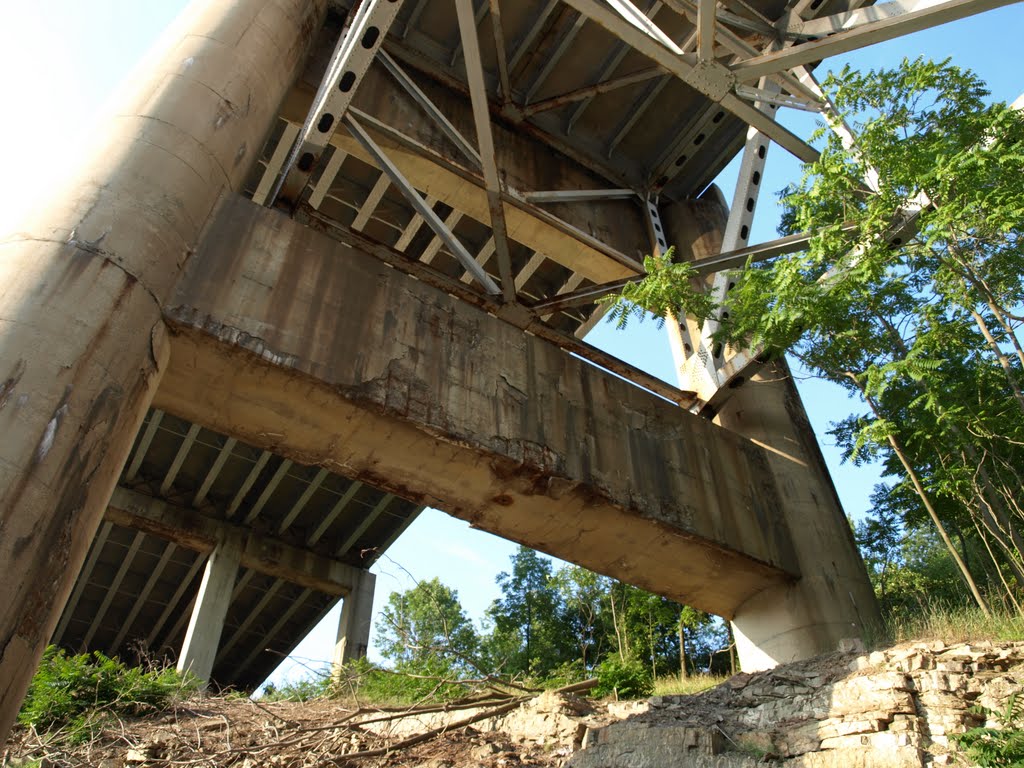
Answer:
(833, 600)
(83, 282)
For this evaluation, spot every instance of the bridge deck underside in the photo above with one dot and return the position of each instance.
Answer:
(136, 593)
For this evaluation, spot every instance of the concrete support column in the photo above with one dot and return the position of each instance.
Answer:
(83, 282)
(211, 608)
(354, 625)
(833, 600)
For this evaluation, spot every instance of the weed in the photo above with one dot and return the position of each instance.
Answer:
(72, 696)
(997, 747)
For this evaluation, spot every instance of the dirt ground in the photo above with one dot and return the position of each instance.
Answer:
(235, 731)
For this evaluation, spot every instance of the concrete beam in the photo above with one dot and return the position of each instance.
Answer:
(192, 530)
(354, 624)
(290, 340)
(211, 608)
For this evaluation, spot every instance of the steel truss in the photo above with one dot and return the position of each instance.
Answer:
(743, 63)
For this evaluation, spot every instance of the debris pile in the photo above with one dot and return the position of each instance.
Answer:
(896, 707)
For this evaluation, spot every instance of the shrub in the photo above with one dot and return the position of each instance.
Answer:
(997, 747)
(74, 694)
(629, 679)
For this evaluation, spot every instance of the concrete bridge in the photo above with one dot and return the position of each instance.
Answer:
(328, 266)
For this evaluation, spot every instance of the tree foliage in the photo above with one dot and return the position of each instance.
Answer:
(550, 626)
(908, 295)
(425, 631)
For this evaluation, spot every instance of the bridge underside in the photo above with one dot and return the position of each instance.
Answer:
(376, 260)
(298, 343)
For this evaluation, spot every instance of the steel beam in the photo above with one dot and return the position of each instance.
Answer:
(276, 163)
(428, 106)
(482, 257)
(552, 60)
(434, 246)
(535, 29)
(706, 29)
(485, 140)
(868, 34)
(352, 56)
(711, 79)
(478, 16)
(432, 219)
(327, 176)
(528, 269)
(791, 25)
(703, 374)
(588, 92)
(500, 56)
(414, 225)
(577, 195)
(611, 64)
(371, 202)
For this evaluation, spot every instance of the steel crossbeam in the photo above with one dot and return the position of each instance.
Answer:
(352, 56)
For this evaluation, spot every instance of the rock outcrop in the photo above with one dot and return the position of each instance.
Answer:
(894, 708)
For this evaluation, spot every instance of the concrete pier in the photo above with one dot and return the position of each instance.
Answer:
(82, 342)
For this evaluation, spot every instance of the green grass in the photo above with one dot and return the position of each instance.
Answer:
(671, 685)
(953, 625)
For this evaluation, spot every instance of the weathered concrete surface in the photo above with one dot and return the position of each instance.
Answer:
(292, 341)
(833, 600)
(82, 284)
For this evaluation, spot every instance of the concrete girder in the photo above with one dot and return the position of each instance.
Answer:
(200, 533)
(409, 415)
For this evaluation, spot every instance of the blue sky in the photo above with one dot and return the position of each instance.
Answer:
(60, 60)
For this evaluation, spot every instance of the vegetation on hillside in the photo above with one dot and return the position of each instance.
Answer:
(908, 296)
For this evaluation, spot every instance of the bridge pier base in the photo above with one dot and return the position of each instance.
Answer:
(832, 602)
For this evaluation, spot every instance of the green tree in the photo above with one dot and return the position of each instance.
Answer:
(530, 633)
(424, 630)
(908, 296)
